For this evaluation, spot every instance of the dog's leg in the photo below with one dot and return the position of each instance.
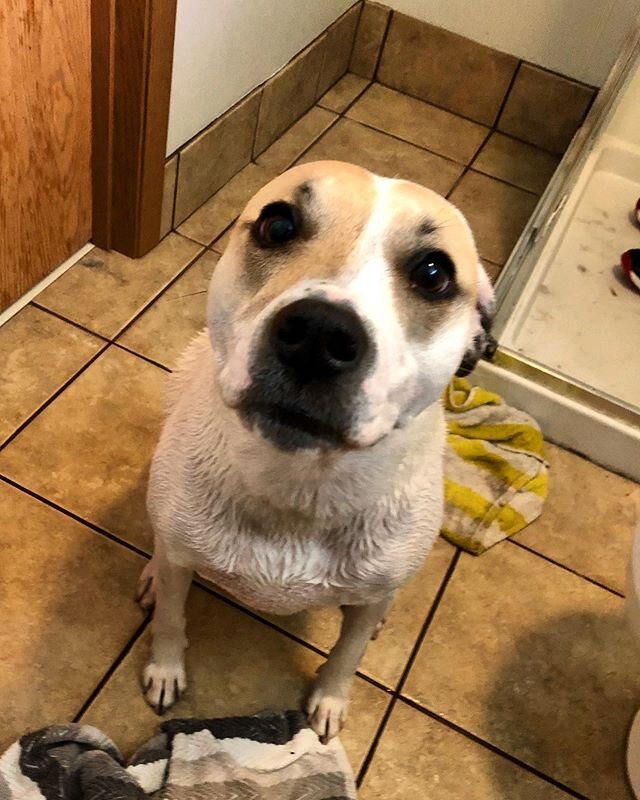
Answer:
(327, 704)
(146, 591)
(164, 678)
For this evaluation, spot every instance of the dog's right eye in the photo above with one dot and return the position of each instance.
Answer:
(276, 225)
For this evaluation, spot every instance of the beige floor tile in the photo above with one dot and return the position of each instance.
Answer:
(369, 38)
(89, 450)
(419, 123)
(236, 665)
(349, 141)
(209, 221)
(285, 150)
(216, 155)
(38, 353)
(537, 661)
(168, 194)
(290, 93)
(588, 519)
(419, 757)
(104, 291)
(516, 162)
(496, 212)
(66, 612)
(544, 109)
(386, 657)
(446, 69)
(338, 47)
(344, 92)
(167, 327)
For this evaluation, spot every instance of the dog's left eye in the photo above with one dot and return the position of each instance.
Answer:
(432, 276)
(276, 225)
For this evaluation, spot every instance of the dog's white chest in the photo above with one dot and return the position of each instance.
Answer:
(284, 575)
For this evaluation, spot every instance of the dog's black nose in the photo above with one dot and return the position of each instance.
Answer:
(319, 340)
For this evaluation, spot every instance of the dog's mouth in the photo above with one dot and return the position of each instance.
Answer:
(292, 428)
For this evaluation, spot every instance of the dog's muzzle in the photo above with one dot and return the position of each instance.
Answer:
(307, 373)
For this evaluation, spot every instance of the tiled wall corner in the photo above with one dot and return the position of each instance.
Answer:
(545, 109)
(227, 145)
(338, 49)
(445, 69)
(372, 27)
(289, 94)
(216, 155)
(372, 42)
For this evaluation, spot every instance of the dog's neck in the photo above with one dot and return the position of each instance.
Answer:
(325, 484)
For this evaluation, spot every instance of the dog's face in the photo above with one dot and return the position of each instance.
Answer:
(343, 305)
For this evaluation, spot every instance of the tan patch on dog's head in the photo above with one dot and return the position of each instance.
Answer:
(333, 201)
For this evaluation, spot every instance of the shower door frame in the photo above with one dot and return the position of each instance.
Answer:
(524, 257)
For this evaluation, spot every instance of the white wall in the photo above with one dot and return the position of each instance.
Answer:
(225, 48)
(578, 38)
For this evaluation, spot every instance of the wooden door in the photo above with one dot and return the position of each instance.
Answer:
(45, 138)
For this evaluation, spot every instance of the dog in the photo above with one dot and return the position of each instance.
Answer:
(300, 464)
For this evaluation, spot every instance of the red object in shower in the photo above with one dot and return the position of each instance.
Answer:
(631, 265)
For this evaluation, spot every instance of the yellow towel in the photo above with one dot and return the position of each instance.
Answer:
(496, 476)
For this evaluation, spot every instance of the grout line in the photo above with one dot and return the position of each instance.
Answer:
(565, 567)
(188, 238)
(408, 666)
(303, 152)
(383, 44)
(504, 182)
(360, 3)
(174, 202)
(342, 114)
(142, 356)
(468, 119)
(230, 601)
(72, 322)
(112, 668)
(473, 160)
(143, 309)
(457, 183)
(406, 141)
(75, 517)
(467, 166)
(505, 99)
(196, 582)
(254, 136)
(428, 620)
(53, 397)
(492, 747)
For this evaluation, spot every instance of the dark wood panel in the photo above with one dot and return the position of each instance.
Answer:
(132, 84)
(45, 138)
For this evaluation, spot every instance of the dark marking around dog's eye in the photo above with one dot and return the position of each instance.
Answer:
(432, 275)
(427, 228)
(277, 225)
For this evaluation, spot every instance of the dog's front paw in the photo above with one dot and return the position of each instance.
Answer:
(163, 685)
(327, 712)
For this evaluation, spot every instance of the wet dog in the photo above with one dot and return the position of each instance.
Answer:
(301, 460)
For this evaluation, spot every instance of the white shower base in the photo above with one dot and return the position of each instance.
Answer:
(578, 316)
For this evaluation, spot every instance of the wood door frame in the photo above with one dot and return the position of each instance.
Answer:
(132, 60)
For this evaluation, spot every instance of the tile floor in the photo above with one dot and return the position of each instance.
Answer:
(510, 675)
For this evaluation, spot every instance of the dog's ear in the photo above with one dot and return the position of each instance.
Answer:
(482, 344)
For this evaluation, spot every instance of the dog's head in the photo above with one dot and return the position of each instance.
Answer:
(343, 305)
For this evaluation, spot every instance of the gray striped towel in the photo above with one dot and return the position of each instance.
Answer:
(270, 756)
